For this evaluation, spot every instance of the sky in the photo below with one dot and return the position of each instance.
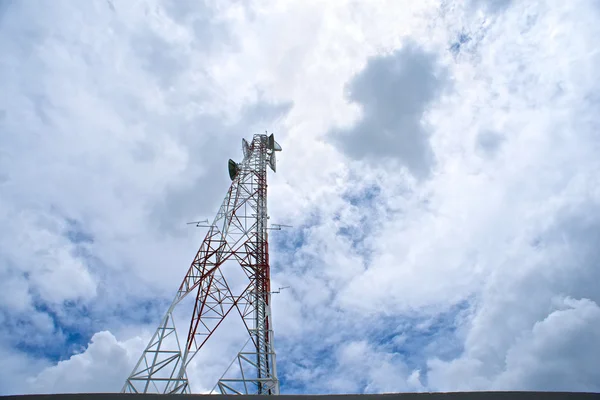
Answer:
(440, 170)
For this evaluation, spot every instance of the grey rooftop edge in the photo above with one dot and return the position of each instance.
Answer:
(388, 396)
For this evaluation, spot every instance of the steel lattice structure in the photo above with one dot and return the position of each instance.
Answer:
(238, 233)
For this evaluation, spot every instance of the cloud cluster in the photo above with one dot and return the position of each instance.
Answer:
(394, 92)
(98, 369)
(439, 169)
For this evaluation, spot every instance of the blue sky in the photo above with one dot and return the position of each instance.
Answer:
(439, 169)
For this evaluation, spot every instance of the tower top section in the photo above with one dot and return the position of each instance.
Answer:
(263, 146)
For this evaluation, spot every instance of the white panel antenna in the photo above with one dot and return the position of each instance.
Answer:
(273, 162)
(245, 148)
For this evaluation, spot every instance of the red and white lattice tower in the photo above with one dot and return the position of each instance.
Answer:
(238, 235)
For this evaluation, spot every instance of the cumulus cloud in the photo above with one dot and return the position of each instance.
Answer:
(380, 371)
(116, 122)
(22, 367)
(393, 92)
(99, 369)
(557, 353)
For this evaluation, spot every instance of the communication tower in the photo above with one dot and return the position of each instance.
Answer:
(237, 235)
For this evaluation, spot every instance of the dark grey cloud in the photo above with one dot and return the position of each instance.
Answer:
(394, 91)
(493, 6)
(489, 142)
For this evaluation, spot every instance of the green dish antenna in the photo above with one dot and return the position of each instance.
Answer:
(233, 169)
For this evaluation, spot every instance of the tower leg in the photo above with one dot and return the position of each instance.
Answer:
(160, 362)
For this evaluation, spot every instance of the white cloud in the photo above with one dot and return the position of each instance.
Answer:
(14, 379)
(116, 122)
(99, 369)
(558, 353)
(379, 372)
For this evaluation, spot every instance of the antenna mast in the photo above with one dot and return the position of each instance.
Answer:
(237, 235)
